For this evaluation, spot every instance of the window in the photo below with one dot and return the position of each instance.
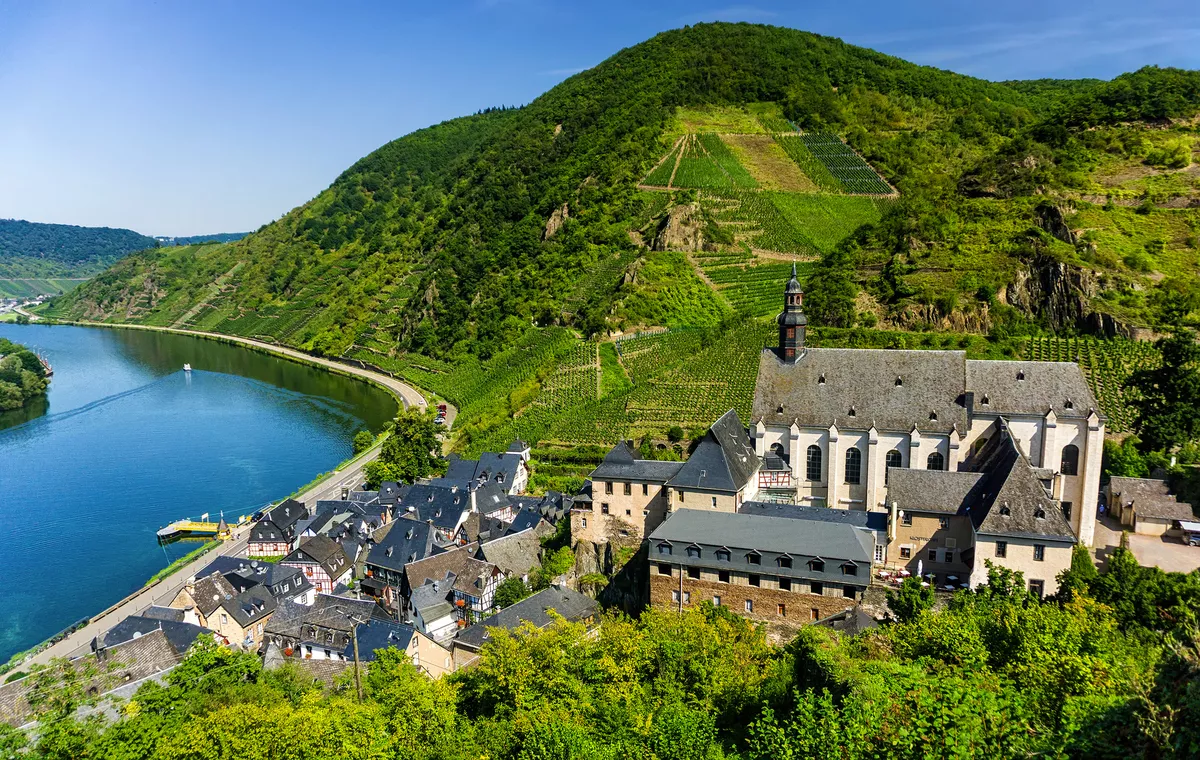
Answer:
(694, 573)
(693, 551)
(754, 559)
(1039, 553)
(628, 512)
(906, 519)
(687, 597)
(714, 501)
(1038, 588)
(664, 549)
(933, 555)
(754, 580)
(781, 610)
(849, 569)
(892, 459)
(814, 614)
(1039, 513)
(675, 595)
(848, 592)
(853, 466)
(583, 523)
(716, 601)
(723, 576)
(813, 466)
(224, 618)
(1070, 460)
(604, 508)
(664, 568)
(628, 490)
(681, 495)
(935, 461)
(749, 605)
(816, 588)
(1066, 508)
(949, 556)
(722, 555)
(905, 552)
(645, 489)
(1001, 548)
(817, 565)
(608, 487)
(879, 552)
(943, 522)
(785, 584)
(784, 561)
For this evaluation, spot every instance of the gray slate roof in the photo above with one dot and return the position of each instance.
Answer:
(210, 591)
(934, 490)
(250, 606)
(780, 535)
(863, 380)
(323, 551)
(876, 521)
(535, 609)
(179, 634)
(406, 541)
(1151, 498)
(432, 600)
(623, 463)
(723, 461)
(280, 580)
(279, 524)
(445, 507)
(515, 554)
(375, 635)
(1045, 386)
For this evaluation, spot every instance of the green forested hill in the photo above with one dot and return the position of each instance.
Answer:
(32, 249)
(673, 185)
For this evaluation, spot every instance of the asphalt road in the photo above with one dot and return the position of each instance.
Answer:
(330, 487)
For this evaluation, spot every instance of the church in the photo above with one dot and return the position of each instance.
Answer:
(972, 459)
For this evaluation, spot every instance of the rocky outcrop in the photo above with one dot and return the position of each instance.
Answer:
(555, 222)
(682, 229)
(1060, 294)
(625, 566)
(1053, 219)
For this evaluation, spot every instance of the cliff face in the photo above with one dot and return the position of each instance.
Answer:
(1061, 295)
(681, 229)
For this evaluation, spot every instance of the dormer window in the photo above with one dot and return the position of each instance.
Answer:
(722, 555)
(1069, 404)
(899, 382)
(784, 562)
(821, 379)
(933, 416)
(1020, 376)
(816, 565)
(779, 410)
(983, 401)
(693, 552)
(1004, 510)
(664, 549)
(851, 412)
(754, 558)
(1040, 513)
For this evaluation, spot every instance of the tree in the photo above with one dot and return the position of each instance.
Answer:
(363, 440)
(555, 564)
(1123, 460)
(909, 601)
(675, 434)
(510, 591)
(1078, 578)
(831, 291)
(1167, 401)
(410, 452)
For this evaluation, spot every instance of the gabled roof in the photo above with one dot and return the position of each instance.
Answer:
(390, 493)
(457, 566)
(210, 592)
(783, 535)
(285, 515)
(164, 613)
(497, 469)
(432, 600)
(535, 609)
(406, 541)
(850, 622)
(1013, 501)
(948, 492)
(181, 635)
(876, 521)
(250, 606)
(375, 635)
(623, 463)
(444, 507)
(1034, 388)
(1151, 498)
(723, 461)
(524, 520)
(856, 388)
(323, 551)
(515, 554)
(273, 575)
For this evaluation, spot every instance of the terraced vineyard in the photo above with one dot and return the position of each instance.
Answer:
(793, 145)
(853, 173)
(1107, 365)
(706, 163)
(757, 222)
(754, 288)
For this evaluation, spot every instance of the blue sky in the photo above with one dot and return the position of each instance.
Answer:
(177, 118)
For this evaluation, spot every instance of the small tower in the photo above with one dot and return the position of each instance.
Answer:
(792, 322)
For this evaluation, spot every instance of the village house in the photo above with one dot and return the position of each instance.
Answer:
(282, 581)
(720, 473)
(1147, 506)
(509, 470)
(426, 654)
(322, 630)
(237, 617)
(275, 534)
(763, 567)
(446, 507)
(323, 563)
(516, 554)
(538, 610)
(836, 420)
(468, 584)
(628, 497)
(405, 541)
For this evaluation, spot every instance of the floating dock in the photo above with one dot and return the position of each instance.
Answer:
(193, 528)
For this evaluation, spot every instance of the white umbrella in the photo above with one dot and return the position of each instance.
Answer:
(920, 567)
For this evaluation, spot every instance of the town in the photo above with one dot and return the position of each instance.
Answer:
(859, 471)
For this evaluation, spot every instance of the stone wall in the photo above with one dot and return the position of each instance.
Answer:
(798, 606)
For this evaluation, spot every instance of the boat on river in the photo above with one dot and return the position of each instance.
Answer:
(187, 368)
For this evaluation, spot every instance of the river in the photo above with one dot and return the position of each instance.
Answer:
(127, 442)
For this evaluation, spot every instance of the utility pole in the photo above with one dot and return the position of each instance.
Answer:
(355, 622)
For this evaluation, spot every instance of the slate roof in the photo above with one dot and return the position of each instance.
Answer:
(863, 380)
(723, 461)
(1043, 386)
(391, 493)
(270, 574)
(432, 600)
(406, 541)
(876, 521)
(1013, 501)
(1151, 498)
(496, 469)
(479, 527)
(279, 524)
(287, 620)
(210, 591)
(250, 606)
(325, 552)
(947, 492)
(524, 520)
(465, 573)
(515, 554)
(623, 463)
(444, 507)
(180, 635)
(535, 609)
(156, 612)
(850, 622)
(380, 634)
(780, 535)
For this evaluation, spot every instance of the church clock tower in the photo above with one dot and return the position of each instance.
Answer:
(792, 322)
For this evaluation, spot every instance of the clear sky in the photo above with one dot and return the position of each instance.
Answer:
(179, 118)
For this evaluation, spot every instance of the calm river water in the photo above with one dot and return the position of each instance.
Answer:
(127, 442)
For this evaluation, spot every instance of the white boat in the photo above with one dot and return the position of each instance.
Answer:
(187, 368)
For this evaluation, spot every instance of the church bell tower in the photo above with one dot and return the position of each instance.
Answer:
(792, 322)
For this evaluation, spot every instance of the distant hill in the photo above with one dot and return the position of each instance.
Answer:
(36, 250)
(220, 237)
